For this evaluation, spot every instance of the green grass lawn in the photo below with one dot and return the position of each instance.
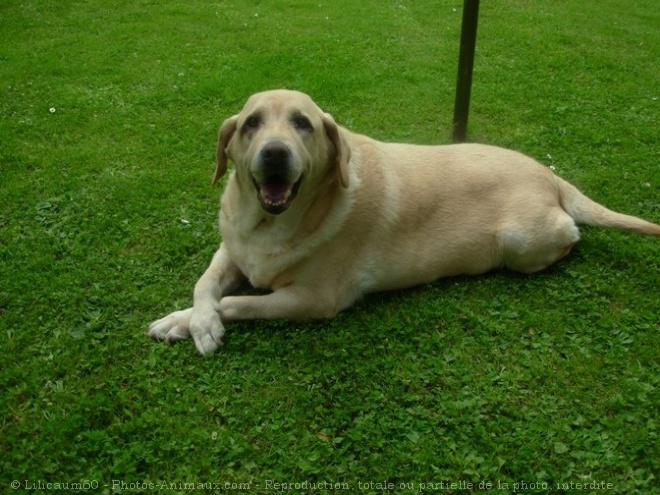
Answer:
(108, 119)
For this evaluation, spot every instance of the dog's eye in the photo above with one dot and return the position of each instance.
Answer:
(252, 122)
(302, 123)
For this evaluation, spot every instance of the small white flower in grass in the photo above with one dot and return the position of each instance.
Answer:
(553, 168)
(214, 435)
(51, 109)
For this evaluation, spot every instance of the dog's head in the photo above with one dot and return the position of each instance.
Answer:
(279, 142)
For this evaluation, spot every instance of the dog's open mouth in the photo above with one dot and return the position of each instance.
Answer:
(276, 194)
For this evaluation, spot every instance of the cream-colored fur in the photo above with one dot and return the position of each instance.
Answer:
(368, 216)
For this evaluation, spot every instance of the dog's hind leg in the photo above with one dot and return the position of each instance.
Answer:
(534, 246)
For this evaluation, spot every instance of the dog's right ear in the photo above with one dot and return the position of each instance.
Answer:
(227, 130)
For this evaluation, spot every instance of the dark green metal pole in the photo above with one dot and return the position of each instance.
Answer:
(465, 64)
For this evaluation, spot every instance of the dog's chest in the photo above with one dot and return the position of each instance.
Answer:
(264, 249)
(262, 258)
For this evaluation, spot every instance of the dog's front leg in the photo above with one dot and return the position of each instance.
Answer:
(202, 321)
(221, 277)
(291, 303)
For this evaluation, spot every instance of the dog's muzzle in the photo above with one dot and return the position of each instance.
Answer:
(275, 179)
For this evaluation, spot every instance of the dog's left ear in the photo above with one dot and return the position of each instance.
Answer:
(227, 130)
(342, 149)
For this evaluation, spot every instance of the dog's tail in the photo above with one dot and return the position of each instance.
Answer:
(586, 211)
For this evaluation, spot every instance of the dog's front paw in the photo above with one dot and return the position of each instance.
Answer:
(175, 326)
(207, 330)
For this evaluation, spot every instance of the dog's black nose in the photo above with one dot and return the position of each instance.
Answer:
(275, 153)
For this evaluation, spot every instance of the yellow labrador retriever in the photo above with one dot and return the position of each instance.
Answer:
(320, 216)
